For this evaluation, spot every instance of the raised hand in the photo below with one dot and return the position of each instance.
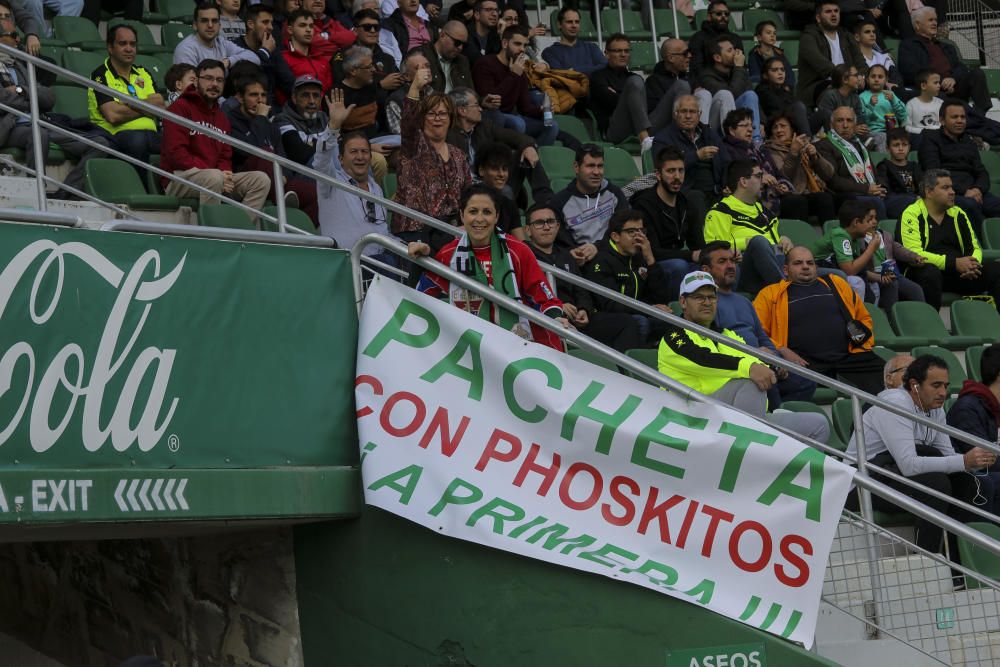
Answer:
(338, 112)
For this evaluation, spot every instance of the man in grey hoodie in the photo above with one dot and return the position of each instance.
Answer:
(587, 204)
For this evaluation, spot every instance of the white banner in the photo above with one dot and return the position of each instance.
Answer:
(477, 434)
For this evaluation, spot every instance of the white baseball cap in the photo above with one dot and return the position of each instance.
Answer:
(695, 280)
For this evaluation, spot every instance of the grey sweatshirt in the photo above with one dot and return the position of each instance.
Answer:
(887, 432)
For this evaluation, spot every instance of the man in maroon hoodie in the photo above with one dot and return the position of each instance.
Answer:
(977, 412)
(203, 160)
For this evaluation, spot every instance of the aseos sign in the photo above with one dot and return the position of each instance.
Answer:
(82, 375)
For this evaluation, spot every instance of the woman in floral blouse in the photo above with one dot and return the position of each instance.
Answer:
(432, 172)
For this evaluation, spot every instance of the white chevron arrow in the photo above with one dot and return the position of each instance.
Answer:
(137, 496)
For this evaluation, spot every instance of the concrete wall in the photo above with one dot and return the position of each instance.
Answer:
(212, 600)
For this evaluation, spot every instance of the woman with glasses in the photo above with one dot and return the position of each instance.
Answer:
(495, 259)
(432, 172)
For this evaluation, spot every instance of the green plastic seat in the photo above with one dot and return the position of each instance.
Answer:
(573, 126)
(834, 440)
(118, 182)
(144, 36)
(558, 161)
(830, 224)
(752, 17)
(889, 225)
(644, 356)
(630, 24)
(885, 353)
(176, 10)
(79, 32)
(665, 24)
(173, 33)
(643, 57)
(843, 418)
(884, 335)
(154, 67)
(799, 231)
(956, 374)
(71, 100)
(390, 184)
(83, 63)
(975, 318)
(973, 357)
(824, 395)
(224, 215)
(596, 359)
(978, 559)
(619, 167)
(293, 216)
(915, 318)
(791, 49)
(991, 239)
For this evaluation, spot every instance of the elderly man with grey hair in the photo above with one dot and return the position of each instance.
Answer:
(363, 97)
(925, 51)
(894, 370)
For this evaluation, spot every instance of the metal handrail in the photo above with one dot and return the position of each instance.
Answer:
(222, 233)
(643, 371)
(40, 217)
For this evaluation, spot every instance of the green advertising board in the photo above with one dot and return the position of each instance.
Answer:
(146, 376)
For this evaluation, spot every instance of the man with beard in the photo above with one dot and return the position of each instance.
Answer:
(822, 47)
(725, 77)
(819, 322)
(714, 369)
(203, 160)
(676, 233)
(302, 121)
(484, 40)
(617, 330)
(715, 27)
(502, 82)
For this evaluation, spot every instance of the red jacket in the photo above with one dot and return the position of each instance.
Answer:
(290, 64)
(185, 149)
(329, 36)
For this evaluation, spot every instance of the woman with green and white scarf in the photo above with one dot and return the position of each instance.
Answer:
(854, 175)
(495, 259)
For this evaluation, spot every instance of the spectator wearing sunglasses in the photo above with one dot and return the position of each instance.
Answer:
(133, 131)
(712, 29)
(450, 68)
(347, 157)
(384, 69)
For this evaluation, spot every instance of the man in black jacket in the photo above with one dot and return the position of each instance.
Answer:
(249, 122)
(625, 263)
(925, 52)
(617, 330)
(817, 55)
(700, 145)
(951, 148)
(675, 229)
(670, 76)
(977, 410)
(446, 52)
(715, 27)
(726, 78)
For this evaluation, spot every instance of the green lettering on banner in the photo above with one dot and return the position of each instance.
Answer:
(469, 342)
(703, 591)
(784, 484)
(451, 497)
(393, 329)
(553, 380)
(557, 530)
(395, 481)
(670, 574)
(652, 433)
(731, 655)
(743, 437)
(493, 509)
(610, 422)
(597, 555)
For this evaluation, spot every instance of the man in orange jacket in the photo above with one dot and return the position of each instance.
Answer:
(820, 323)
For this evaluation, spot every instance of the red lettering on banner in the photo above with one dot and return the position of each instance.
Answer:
(567, 480)
(529, 464)
(715, 515)
(377, 389)
(765, 548)
(653, 511)
(692, 510)
(784, 547)
(624, 501)
(492, 452)
(439, 422)
(420, 411)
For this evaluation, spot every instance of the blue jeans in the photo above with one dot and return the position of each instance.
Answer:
(990, 208)
(533, 127)
(674, 270)
(878, 202)
(895, 204)
(761, 266)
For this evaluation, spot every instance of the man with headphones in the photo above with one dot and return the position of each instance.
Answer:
(923, 454)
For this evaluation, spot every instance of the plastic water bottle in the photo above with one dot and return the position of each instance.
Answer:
(547, 111)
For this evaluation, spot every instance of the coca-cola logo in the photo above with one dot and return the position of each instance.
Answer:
(70, 373)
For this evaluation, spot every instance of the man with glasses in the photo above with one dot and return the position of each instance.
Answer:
(298, 58)
(733, 377)
(203, 160)
(823, 46)
(206, 43)
(700, 145)
(450, 68)
(617, 330)
(618, 98)
(669, 79)
(716, 26)
(894, 369)
(571, 52)
(347, 157)
(484, 39)
(21, 16)
(624, 263)
(367, 25)
(364, 98)
(134, 132)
